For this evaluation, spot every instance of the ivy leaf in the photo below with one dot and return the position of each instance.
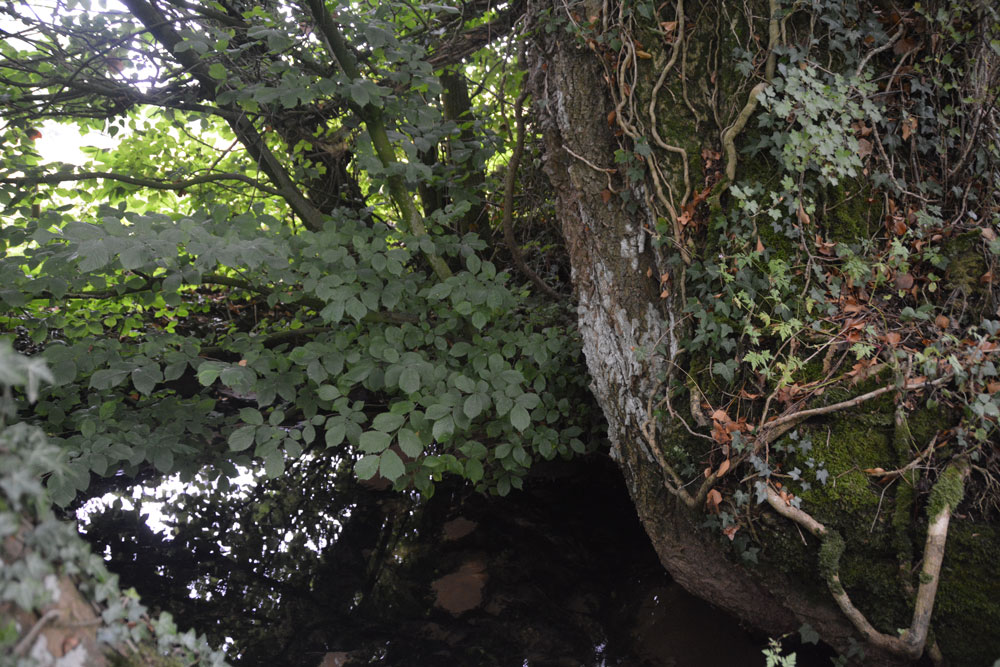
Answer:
(808, 634)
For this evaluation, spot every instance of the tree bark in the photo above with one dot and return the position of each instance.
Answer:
(623, 315)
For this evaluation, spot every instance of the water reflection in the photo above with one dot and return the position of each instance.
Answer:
(313, 568)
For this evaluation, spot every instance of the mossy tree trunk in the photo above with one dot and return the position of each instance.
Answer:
(629, 260)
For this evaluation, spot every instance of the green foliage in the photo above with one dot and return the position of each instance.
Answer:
(196, 323)
(39, 549)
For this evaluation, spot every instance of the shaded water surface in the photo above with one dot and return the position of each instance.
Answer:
(307, 572)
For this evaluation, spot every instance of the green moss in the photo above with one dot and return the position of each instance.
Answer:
(848, 445)
(830, 551)
(850, 213)
(966, 613)
(948, 491)
(966, 263)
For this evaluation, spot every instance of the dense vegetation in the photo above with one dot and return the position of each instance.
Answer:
(323, 241)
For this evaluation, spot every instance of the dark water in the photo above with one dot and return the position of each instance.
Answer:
(314, 568)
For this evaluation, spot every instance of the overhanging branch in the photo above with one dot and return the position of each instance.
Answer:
(157, 184)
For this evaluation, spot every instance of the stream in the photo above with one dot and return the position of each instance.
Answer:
(295, 572)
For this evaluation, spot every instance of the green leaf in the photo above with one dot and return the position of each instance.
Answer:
(443, 428)
(465, 384)
(387, 422)
(366, 467)
(474, 470)
(217, 71)
(473, 405)
(359, 93)
(163, 460)
(391, 466)
(409, 380)
(336, 430)
(374, 441)
(519, 418)
(328, 392)
(274, 464)
(410, 443)
(107, 379)
(242, 438)
(251, 416)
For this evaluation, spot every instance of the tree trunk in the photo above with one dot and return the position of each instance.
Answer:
(628, 308)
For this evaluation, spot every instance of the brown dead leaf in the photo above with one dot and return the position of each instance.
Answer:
(730, 531)
(824, 247)
(988, 233)
(864, 148)
(904, 281)
(942, 321)
(721, 416)
(992, 387)
(904, 46)
(909, 126)
(802, 215)
(899, 226)
(612, 115)
(606, 195)
(242, 362)
(668, 26)
(714, 500)
(874, 471)
(760, 246)
(723, 468)
(706, 472)
(892, 338)
(643, 55)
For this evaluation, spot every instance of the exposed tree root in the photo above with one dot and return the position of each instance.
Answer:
(945, 496)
